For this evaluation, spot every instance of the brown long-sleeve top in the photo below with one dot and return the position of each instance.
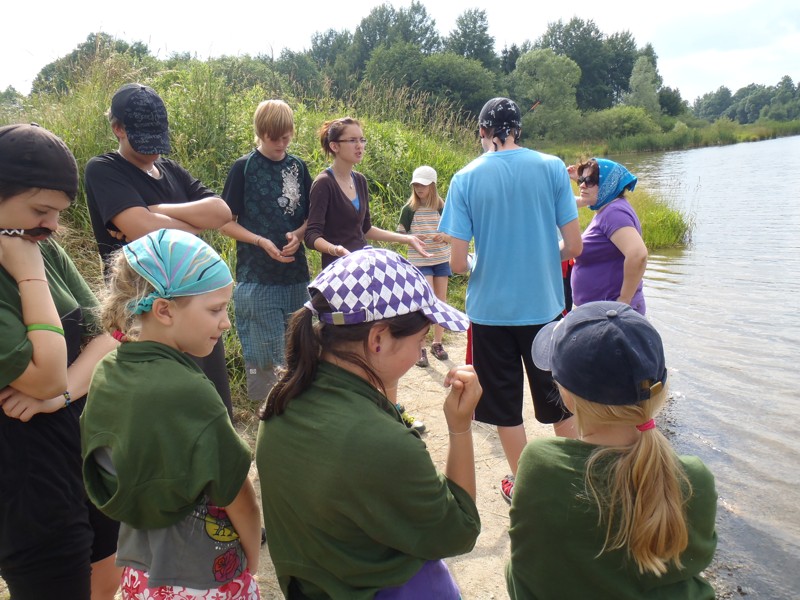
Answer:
(333, 216)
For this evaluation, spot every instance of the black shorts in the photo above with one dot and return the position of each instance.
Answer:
(498, 355)
(61, 566)
(58, 568)
(106, 533)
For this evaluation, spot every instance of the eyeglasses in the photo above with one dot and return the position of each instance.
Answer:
(362, 141)
(587, 180)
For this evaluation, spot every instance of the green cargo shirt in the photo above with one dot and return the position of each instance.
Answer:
(352, 501)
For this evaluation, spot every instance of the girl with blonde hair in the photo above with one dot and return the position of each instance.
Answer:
(615, 513)
(420, 216)
(160, 454)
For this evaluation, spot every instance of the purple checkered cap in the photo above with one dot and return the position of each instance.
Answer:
(373, 284)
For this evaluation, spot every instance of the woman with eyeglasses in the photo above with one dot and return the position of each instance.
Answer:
(614, 257)
(338, 217)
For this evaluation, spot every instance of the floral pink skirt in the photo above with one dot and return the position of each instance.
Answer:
(134, 587)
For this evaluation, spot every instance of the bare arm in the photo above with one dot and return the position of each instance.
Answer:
(630, 243)
(465, 391)
(323, 246)
(245, 236)
(19, 405)
(207, 213)
(46, 373)
(381, 235)
(194, 217)
(294, 239)
(572, 171)
(245, 516)
(571, 243)
(458, 255)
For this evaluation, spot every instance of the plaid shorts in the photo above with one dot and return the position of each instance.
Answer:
(262, 313)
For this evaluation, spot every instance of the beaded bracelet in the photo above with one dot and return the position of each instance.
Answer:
(67, 398)
(44, 327)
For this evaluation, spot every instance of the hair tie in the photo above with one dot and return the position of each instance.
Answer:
(119, 336)
(651, 424)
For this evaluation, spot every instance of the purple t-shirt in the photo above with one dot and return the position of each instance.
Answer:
(599, 270)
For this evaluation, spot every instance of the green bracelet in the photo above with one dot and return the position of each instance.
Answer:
(44, 327)
(67, 398)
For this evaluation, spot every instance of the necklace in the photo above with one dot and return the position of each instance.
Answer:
(349, 184)
(151, 171)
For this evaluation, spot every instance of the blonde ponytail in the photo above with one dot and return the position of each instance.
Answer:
(640, 490)
(125, 288)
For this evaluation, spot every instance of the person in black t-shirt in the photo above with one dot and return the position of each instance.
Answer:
(134, 191)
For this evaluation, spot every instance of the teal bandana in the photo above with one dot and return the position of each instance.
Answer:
(176, 263)
(614, 178)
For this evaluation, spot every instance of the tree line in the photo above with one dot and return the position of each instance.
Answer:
(583, 82)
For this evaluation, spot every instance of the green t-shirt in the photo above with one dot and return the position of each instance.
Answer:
(169, 435)
(555, 538)
(74, 302)
(352, 501)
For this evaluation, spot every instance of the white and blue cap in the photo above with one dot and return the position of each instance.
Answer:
(604, 352)
(372, 284)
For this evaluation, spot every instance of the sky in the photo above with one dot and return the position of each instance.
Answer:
(701, 44)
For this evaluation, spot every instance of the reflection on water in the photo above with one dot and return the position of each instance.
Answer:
(727, 308)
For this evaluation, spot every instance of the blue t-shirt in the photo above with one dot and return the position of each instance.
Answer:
(512, 203)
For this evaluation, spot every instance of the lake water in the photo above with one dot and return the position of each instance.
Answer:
(728, 308)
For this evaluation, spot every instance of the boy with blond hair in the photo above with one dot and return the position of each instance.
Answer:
(267, 192)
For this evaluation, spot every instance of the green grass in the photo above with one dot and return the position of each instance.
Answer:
(662, 225)
(211, 126)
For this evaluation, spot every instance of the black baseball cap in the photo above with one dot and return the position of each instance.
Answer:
(141, 110)
(33, 156)
(604, 352)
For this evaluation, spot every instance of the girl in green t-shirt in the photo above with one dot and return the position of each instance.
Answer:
(160, 454)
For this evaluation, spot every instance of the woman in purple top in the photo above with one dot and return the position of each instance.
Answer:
(614, 256)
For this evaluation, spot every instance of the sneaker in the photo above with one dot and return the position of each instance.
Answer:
(507, 488)
(423, 359)
(411, 421)
(438, 351)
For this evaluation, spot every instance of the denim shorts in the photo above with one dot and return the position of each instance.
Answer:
(440, 270)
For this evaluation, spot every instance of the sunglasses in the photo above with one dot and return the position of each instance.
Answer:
(362, 141)
(586, 180)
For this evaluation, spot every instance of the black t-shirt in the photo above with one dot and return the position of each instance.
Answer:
(113, 185)
(270, 199)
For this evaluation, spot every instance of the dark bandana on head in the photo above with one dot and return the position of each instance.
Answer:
(502, 115)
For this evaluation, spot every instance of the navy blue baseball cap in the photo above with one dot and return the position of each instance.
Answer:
(141, 110)
(604, 352)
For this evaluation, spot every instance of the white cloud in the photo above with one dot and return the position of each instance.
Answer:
(700, 45)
